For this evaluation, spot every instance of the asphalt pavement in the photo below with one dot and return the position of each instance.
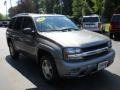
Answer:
(24, 74)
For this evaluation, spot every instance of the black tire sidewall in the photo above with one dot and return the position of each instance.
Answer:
(111, 35)
(16, 55)
(55, 76)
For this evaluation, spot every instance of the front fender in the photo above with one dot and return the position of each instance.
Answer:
(54, 50)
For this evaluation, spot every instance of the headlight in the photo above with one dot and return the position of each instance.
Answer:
(71, 53)
(72, 50)
(110, 44)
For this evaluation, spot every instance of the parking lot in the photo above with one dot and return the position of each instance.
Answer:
(24, 74)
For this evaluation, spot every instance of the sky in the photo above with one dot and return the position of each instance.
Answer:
(3, 7)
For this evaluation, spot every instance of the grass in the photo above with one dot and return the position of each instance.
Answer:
(106, 27)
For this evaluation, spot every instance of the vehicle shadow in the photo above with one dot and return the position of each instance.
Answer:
(103, 80)
(114, 39)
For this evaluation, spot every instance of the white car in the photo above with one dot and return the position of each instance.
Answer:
(92, 23)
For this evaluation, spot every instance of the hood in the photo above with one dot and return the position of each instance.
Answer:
(80, 38)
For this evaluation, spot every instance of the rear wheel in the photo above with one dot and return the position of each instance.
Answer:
(116, 36)
(14, 54)
(48, 68)
(111, 35)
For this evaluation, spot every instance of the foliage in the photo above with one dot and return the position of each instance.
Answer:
(86, 7)
(22, 7)
(67, 7)
(111, 7)
(2, 17)
(77, 8)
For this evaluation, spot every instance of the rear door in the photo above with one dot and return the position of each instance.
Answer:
(14, 30)
(115, 22)
(17, 29)
(90, 22)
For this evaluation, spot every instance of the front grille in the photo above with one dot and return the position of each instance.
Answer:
(91, 48)
(95, 55)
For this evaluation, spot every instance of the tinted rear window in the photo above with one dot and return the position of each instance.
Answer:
(12, 22)
(90, 19)
(116, 18)
(18, 23)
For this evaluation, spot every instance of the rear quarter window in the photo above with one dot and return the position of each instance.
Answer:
(12, 22)
(116, 18)
(18, 23)
(90, 19)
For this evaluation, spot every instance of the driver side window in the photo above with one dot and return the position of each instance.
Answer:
(28, 23)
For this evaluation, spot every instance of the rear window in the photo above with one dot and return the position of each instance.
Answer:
(12, 22)
(18, 23)
(90, 19)
(116, 18)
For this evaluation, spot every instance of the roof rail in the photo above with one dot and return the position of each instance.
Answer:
(22, 14)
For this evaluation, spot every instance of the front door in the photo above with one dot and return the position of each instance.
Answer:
(28, 40)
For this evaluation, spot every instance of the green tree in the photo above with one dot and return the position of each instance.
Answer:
(111, 7)
(108, 9)
(85, 7)
(67, 7)
(22, 7)
(37, 4)
(98, 6)
(2, 16)
(45, 6)
(12, 11)
(77, 8)
(42, 6)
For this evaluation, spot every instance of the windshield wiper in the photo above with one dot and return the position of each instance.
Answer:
(61, 30)
(51, 31)
(69, 29)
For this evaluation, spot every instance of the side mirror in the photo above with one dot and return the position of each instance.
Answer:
(28, 31)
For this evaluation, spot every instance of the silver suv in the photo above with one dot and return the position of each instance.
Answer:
(59, 47)
(92, 23)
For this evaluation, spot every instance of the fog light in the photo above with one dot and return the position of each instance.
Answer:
(74, 72)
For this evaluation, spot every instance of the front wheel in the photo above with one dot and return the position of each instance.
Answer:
(48, 68)
(14, 54)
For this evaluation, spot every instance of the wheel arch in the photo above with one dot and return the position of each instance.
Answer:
(42, 52)
(8, 40)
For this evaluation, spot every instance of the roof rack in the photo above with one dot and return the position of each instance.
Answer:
(22, 14)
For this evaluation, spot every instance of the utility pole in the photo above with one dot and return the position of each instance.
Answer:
(5, 3)
(6, 11)
(61, 3)
(11, 3)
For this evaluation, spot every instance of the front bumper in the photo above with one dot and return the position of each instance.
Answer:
(94, 29)
(75, 69)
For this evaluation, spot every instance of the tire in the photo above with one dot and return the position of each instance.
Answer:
(111, 35)
(14, 54)
(116, 36)
(49, 69)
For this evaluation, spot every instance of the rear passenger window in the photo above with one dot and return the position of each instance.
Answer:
(18, 23)
(28, 23)
(116, 18)
(11, 24)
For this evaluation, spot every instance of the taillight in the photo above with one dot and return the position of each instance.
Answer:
(110, 27)
(99, 25)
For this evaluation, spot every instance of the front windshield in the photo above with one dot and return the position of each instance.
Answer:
(54, 23)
